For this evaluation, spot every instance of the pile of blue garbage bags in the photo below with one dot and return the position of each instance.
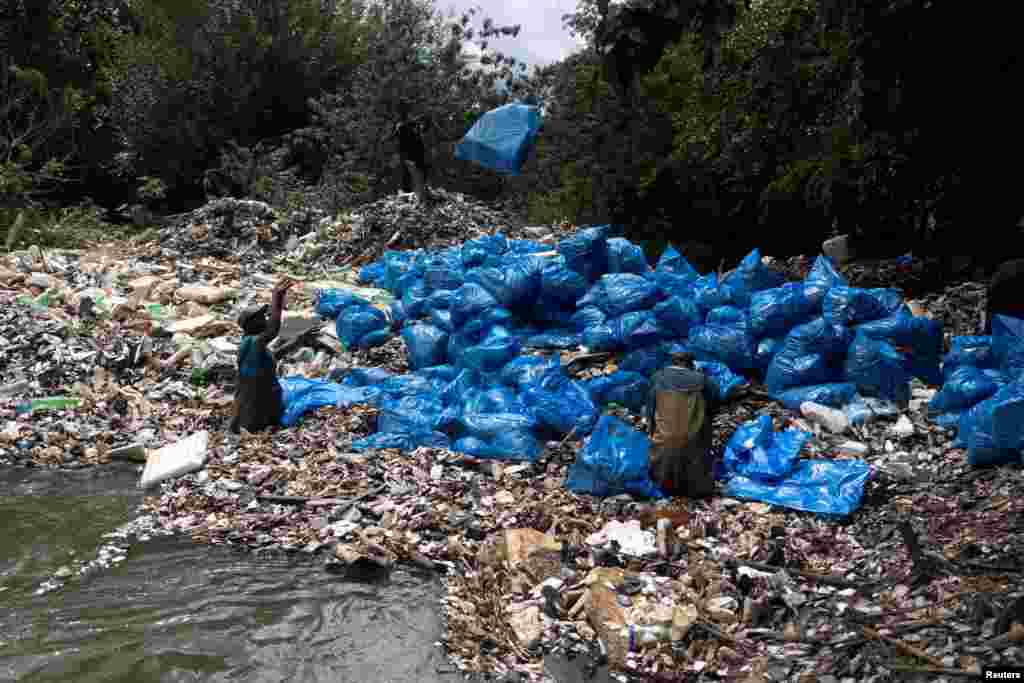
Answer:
(469, 315)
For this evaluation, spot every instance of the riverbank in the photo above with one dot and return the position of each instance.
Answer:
(750, 590)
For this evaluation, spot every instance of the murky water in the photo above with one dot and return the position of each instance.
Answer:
(165, 609)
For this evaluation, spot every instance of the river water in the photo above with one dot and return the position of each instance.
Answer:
(150, 607)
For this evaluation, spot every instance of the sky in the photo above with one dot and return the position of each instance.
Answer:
(542, 39)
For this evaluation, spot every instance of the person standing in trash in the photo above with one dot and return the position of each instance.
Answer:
(259, 401)
(680, 411)
(411, 150)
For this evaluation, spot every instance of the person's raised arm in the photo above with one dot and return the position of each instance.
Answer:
(277, 304)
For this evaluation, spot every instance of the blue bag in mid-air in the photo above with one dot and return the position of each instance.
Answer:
(501, 139)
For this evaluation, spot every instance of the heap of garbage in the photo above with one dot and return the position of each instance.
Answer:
(478, 409)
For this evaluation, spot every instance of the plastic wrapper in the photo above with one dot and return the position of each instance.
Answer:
(852, 305)
(756, 451)
(628, 389)
(678, 315)
(671, 261)
(562, 285)
(614, 460)
(774, 312)
(372, 274)
(404, 442)
(586, 252)
(620, 293)
(724, 343)
(724, 382)
(863, 409)
(555, 339)
(470, 301)
(588, 316)
(993, 430)
(647, 360)
(751, 276)
(1008, 344)
(331, 302)
(626, 257)
(355, 322)
(964, 387)
(426, 345)
(476, 251)
(512, 445)
(560, 403)
(629, 331)
(833, 395)
(826, 487)
(491, 354)
(877, 369)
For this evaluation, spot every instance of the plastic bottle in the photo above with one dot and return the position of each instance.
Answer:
(55, 403)
(833, 420)
(645, 635)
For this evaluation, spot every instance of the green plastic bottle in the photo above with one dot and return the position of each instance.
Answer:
(55, 403)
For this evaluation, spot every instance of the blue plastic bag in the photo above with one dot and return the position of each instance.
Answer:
(555, 339)
(921, 336)
(756, 451)
(728, 344)
(476, 251)
(709, 294)
(426, 345)
(678, 315)
(673, 284)
(397, 314)
(619, 293)
(562, 285)
(363, 377)
(647, 360)
(414, 299)
(877, 369)
(560, 403)
(749, 277)
(833, 394)
(374, 339)
(442, 319)
(827, 487)
(626, 257)
(331, 302)
(1008, 344)
(444, 373)
(788, 370)
(526, 369)
(411, 278)
(586, 252)
(470, 301)
(853, 306)
(372, 274)
(823, 277)
(727, 315)
(614, 460)
(671, 261)
(488, 426)
(765, 351)
(628, 389)
(974, 351)
(724, 382)
(396, 264)
(993, 430)
(409, 414)
(357, 321)
(513, 285)
(405, 442)
(401, 386)
(501, 139)
(964, 387)
(629, 331)
(776, 311)
(588, 316)
(513, 445)
(302, 395)
(492, 353)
